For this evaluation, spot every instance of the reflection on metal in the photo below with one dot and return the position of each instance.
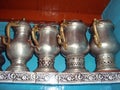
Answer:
(104, 45)
(74, 44)
(46, 47)
(59, 78)
(19, 50)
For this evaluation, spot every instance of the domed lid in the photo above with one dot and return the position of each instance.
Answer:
(49, 26)
(75, 24)
(75, 21)
(23, 25)
(104, 24)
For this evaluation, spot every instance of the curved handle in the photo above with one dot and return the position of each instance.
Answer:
(34, 30)
(61, 36)
(4, 41)
(96, 36)
(9, 25)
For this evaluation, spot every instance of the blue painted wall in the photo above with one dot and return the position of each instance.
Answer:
(111, 12)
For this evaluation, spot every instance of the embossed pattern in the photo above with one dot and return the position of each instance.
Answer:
(46, 64)
(75, 63)
(59, 78)
(105, 62)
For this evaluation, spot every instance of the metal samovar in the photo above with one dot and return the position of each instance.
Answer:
(74, 44)
(46, 47)
(2, 49)
(19, 50)
(104, 45)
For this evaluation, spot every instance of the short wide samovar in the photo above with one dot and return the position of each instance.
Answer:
(19, 50)
(46, 46)
(74, 44)
(104, 45)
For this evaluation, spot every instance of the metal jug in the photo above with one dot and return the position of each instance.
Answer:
(103, 45)
(46, 46)
(19, 50)
(74, 44)
(2, 49)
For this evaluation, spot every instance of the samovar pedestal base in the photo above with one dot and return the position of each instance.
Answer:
(18, 65)
(46, 64)
(105, 63)
(75, 63)
(17, 68)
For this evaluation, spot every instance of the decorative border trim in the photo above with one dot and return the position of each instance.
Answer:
(59, 78)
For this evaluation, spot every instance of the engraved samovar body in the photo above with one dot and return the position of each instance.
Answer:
(104, 45)
(19, 50)
(46, 46)
(2, 49)
(74, 44)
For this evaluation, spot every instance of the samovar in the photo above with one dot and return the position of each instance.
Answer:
(46, 46)
(19, 50)
(2, 49)
(104, 45)
(74, 44)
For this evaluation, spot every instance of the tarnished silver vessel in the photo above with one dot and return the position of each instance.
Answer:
(74, 44)
(2, 49)
(104, 45)
(46, 46)
(19, 50)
